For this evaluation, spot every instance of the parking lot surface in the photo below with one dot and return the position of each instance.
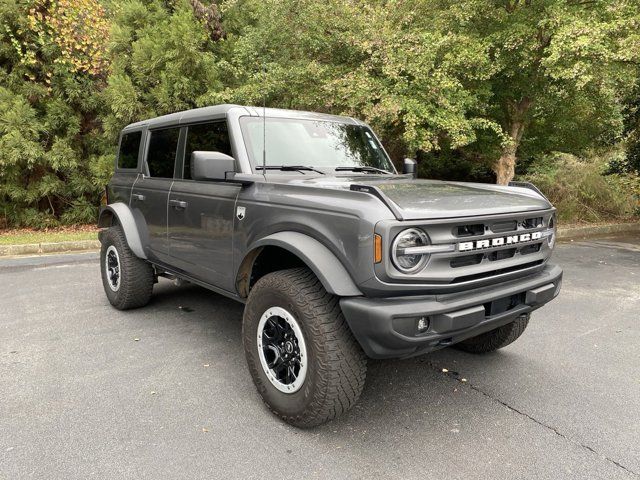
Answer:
(163, 392)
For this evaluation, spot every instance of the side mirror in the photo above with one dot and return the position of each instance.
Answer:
(211, 165)
(409, 167)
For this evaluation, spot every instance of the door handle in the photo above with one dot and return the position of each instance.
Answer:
(178, 204)
(137, 196)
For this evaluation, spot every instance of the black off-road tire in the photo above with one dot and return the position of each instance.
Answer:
(495, 339)
(136, 275)
(336, 365)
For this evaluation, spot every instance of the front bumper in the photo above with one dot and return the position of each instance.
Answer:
(388, 327)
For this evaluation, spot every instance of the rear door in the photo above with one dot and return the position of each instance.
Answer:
(201, 213)
(151, 191)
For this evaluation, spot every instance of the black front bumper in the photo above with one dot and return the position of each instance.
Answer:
(388, 327)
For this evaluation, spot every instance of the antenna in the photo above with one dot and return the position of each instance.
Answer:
(264, 126)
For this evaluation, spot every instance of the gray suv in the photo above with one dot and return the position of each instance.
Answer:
(337, 257)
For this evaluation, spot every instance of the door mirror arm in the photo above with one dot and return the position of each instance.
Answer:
(233, 177)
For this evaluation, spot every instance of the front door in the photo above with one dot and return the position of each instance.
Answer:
(201, 214)
(151, 192)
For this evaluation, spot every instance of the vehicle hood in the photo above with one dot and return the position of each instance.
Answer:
(413, 199)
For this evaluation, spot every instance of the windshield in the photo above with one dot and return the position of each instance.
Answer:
(312, 143)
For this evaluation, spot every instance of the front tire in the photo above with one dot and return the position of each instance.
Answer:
(495, 339)
(127, 279)
(301, 354)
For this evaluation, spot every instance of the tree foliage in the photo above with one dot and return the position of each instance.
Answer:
(466, 86)
(50, 138)
(163, 60)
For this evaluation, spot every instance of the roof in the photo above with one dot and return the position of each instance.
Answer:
(220, 111)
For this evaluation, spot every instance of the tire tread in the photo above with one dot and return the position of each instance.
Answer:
(136, 273)
(341, 363)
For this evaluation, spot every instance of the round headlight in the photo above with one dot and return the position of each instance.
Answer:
(403, 257)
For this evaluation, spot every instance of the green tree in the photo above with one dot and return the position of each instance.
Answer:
(163, 60)
(51, 68)
(421, 88)
(560, 68)
(490, 78)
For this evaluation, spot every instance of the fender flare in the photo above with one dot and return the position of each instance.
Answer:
(324, 264)
(128, 223)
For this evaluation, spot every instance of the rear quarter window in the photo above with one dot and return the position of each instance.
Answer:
(129, 148)
(161, 156)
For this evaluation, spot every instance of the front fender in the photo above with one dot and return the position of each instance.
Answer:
(127, 221)
(324, 264)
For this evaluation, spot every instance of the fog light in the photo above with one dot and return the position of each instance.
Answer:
(423, 324)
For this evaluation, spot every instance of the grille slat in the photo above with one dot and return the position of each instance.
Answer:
(508, 226)
(469, 230)
(491, 273)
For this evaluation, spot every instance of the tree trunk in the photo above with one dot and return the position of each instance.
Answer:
(504, 167)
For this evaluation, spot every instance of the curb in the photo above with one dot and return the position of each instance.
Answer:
(39, 248)
(586, 231)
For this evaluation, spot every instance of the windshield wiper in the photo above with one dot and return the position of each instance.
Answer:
(289, 168)
(362, 169)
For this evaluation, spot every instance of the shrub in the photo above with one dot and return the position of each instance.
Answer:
(580, 190)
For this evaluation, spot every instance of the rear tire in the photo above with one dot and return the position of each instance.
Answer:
(495, 339)
(330, 371)
(127, 279)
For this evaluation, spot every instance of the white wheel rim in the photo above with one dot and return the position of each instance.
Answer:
(289, 354)
(112, 268)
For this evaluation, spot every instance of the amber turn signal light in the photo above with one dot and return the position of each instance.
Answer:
(377, 248)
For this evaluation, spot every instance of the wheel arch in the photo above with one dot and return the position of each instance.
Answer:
(121, 213)
(294, 249)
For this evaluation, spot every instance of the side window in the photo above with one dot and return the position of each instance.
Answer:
(207, 137)
(161, 156)
(129, 147)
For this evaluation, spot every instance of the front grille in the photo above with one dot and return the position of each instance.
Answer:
(485, 247)
(500, 251)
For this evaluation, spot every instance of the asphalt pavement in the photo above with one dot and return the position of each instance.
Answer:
(163, 392)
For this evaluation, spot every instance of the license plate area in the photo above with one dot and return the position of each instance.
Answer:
(504, 304)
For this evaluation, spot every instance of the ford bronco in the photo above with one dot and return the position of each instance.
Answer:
(337, 257)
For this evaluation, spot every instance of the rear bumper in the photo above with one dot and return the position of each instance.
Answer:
(388, 327)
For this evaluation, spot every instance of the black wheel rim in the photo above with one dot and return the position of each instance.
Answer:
(112, 268)
(282, 349)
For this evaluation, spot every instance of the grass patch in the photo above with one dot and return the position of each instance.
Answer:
(25, 236)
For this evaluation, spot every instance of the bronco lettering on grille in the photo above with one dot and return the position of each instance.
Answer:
(499, 241)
